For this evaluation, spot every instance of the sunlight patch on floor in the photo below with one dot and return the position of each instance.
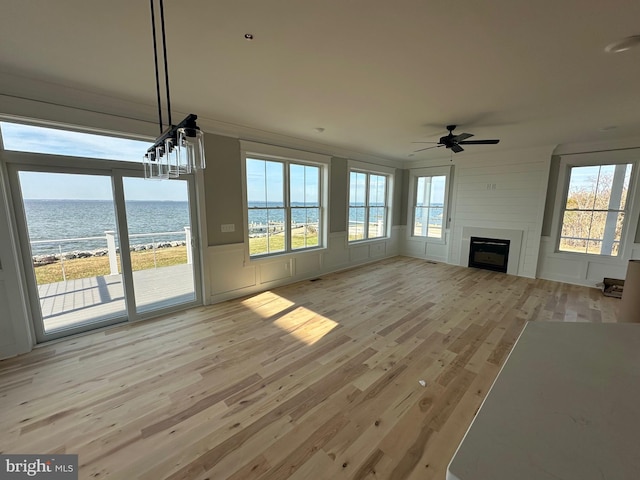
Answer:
(306, 325)
(267, 304)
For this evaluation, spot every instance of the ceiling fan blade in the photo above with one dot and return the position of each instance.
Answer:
(457, 148)
(479, 142)
(424, 142)
(428, 148)
(462, 136)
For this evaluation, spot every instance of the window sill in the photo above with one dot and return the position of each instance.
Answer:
(367, 240)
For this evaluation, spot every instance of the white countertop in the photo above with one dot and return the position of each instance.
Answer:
(566, 405)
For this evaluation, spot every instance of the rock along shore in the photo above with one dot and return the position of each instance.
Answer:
(40, 260)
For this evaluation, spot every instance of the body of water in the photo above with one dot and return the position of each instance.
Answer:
(62, 219)
(66, 219)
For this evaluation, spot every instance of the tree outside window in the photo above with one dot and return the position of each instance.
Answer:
(595, 209)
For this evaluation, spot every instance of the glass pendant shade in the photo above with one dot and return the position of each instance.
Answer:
(191, 142)
(147, 166)
(173, 158)
(162, 163)
(156, 167)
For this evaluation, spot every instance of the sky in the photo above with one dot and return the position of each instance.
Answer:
(37, 185)
(265, 182)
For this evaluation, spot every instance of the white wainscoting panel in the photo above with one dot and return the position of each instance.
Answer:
(276, 270)
(232, 275)
(580, 269)
(358, 253)
(394, 244)
(438, 252)
(307, 265)
(596, 272)
(377, 250)
(227, 269)
(421, 248)
(337, 254)
(414, 248)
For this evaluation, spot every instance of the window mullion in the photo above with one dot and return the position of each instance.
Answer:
(367, 200)
(287, 207)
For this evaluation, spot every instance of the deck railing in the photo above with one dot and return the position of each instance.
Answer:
(110, 238)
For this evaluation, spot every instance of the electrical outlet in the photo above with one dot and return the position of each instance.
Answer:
(228, 227)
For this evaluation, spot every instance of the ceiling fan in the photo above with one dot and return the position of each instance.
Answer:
(454, 141)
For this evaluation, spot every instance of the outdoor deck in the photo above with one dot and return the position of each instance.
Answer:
(93, 299)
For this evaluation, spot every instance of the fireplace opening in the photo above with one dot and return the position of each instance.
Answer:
(489, 253)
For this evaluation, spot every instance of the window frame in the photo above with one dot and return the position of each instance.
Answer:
(371, 169)
(287, 157)
(630, 224)
(414, 175)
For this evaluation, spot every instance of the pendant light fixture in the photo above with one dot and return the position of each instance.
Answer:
(180, 148)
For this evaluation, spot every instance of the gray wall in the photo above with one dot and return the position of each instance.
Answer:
(223, 189)
(552, 188)
(338, 191)
(400, 200)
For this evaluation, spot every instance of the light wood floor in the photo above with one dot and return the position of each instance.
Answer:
(316, 380)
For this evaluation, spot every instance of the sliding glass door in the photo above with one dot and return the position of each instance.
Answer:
(71, 249)
(70, 232)
(160, 242)
(73, 225)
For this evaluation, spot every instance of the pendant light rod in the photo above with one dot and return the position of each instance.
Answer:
(180, 148)
(166, 66)
(155, 59)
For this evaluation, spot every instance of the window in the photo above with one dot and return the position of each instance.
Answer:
(595, 209)
(284, 205)
(428, 193)
(428, 207)
(368, 206)
(30, 138)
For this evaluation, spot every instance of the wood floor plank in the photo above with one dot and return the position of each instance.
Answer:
(311, 380)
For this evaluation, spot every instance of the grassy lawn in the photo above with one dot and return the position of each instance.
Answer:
(97, 266)
(258, 245)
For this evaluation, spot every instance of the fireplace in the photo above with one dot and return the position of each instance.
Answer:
(489, 253)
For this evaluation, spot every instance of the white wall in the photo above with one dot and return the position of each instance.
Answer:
(493, 191)
(15, 332)
(502, 190)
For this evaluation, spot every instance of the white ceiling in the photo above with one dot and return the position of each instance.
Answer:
(375, 74)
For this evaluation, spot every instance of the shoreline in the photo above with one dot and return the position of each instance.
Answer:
(47, 259)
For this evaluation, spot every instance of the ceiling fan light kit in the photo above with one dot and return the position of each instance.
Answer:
(453, 142)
